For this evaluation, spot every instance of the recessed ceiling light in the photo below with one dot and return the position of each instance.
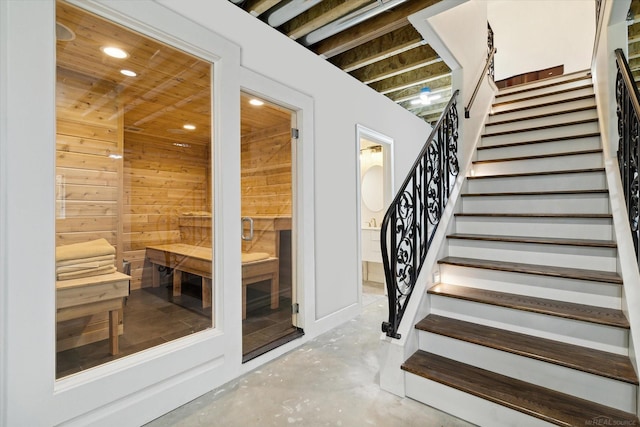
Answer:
(128, 73)
(114, 52)
(189, 127)
(256, 102)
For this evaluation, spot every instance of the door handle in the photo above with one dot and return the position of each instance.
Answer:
(250, 221)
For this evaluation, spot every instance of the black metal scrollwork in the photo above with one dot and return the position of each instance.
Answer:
(413, 217)
(628, 112)
(490, 49)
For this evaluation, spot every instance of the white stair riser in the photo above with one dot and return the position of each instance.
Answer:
(544, 164)
(502, 105)
(598, 294)
(592, 387)
(507, 96)
(569, 228)
(466, 406)
(540, 134)
(541, 121)
(597, 203)
(550, 83)
(555, 255)
(586, 334)
(542, 109)
(541, 148)
(556, 182)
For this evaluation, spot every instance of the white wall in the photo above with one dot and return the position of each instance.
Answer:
(340, 103)
(532, 35)
(138, 388)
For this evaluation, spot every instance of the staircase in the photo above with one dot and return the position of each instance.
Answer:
(525, 326)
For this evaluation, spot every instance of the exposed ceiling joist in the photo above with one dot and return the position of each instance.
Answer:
(421, 76)
(370, 39)
(378, 49)
(258, 7)
(397, 64)
(370, 29)
(412, 92)
(322, 14)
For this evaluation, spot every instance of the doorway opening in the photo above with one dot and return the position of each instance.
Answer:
(267, 180)
(375, 190)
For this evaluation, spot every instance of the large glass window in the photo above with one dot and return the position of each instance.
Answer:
(133, 192)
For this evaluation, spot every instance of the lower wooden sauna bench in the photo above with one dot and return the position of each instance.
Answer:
(88, 296)
(256, 267)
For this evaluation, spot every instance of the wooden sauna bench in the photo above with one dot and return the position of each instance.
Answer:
(88, 296)
(197, 260)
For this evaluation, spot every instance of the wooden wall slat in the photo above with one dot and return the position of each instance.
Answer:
(78, 129)
(161, 182)
(74, 160)
(88, 177)
(87, 191)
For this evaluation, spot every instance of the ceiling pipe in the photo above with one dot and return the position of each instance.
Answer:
(348, 21)
(288, 11)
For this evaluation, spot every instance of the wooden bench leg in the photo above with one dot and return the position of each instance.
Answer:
(275, 290)
(177, 283)
(244, 301)
(206, 292)
(114, 320)
(155, 275)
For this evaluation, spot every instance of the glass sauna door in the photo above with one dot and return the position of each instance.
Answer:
(267, 179)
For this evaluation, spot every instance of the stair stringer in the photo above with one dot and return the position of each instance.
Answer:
(627, 263)
(394, 352)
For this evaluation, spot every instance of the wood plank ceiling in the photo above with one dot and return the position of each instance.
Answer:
(370, 39)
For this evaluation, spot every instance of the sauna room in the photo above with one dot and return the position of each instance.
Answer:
(134, 198)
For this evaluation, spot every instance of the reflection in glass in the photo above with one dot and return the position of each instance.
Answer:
(133, 192)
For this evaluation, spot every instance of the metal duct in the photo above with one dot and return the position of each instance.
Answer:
(347, 21)
(288, 11)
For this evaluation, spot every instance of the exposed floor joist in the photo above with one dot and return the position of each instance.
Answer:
(372, 40)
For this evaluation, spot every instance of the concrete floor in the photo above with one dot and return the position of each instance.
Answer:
(330, 381)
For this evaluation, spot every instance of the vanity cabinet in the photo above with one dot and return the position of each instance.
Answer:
(371, 251)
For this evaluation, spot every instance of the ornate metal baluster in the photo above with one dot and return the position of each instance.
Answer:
(490, 49)
(628, 112)
(415, 213)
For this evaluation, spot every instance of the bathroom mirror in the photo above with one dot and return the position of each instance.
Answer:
(372, 188)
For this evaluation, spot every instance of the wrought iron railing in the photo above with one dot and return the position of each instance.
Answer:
(410, 222)
(628, 111)
(492, 68)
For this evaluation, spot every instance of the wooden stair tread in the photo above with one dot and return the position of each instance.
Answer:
(546, 104)
(543, 403)
(542, 116)
(536, 269)
(597, 362)
(538, 128)
(539, 156)
(538, 240)
(537, 215)
(518, 175)
(526, 87)
(536, 193)
(542, 95)
(567, 310)
(538, 141)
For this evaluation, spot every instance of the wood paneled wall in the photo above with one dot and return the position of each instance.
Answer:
(266, 172)
(163, 178)
(88, 196)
